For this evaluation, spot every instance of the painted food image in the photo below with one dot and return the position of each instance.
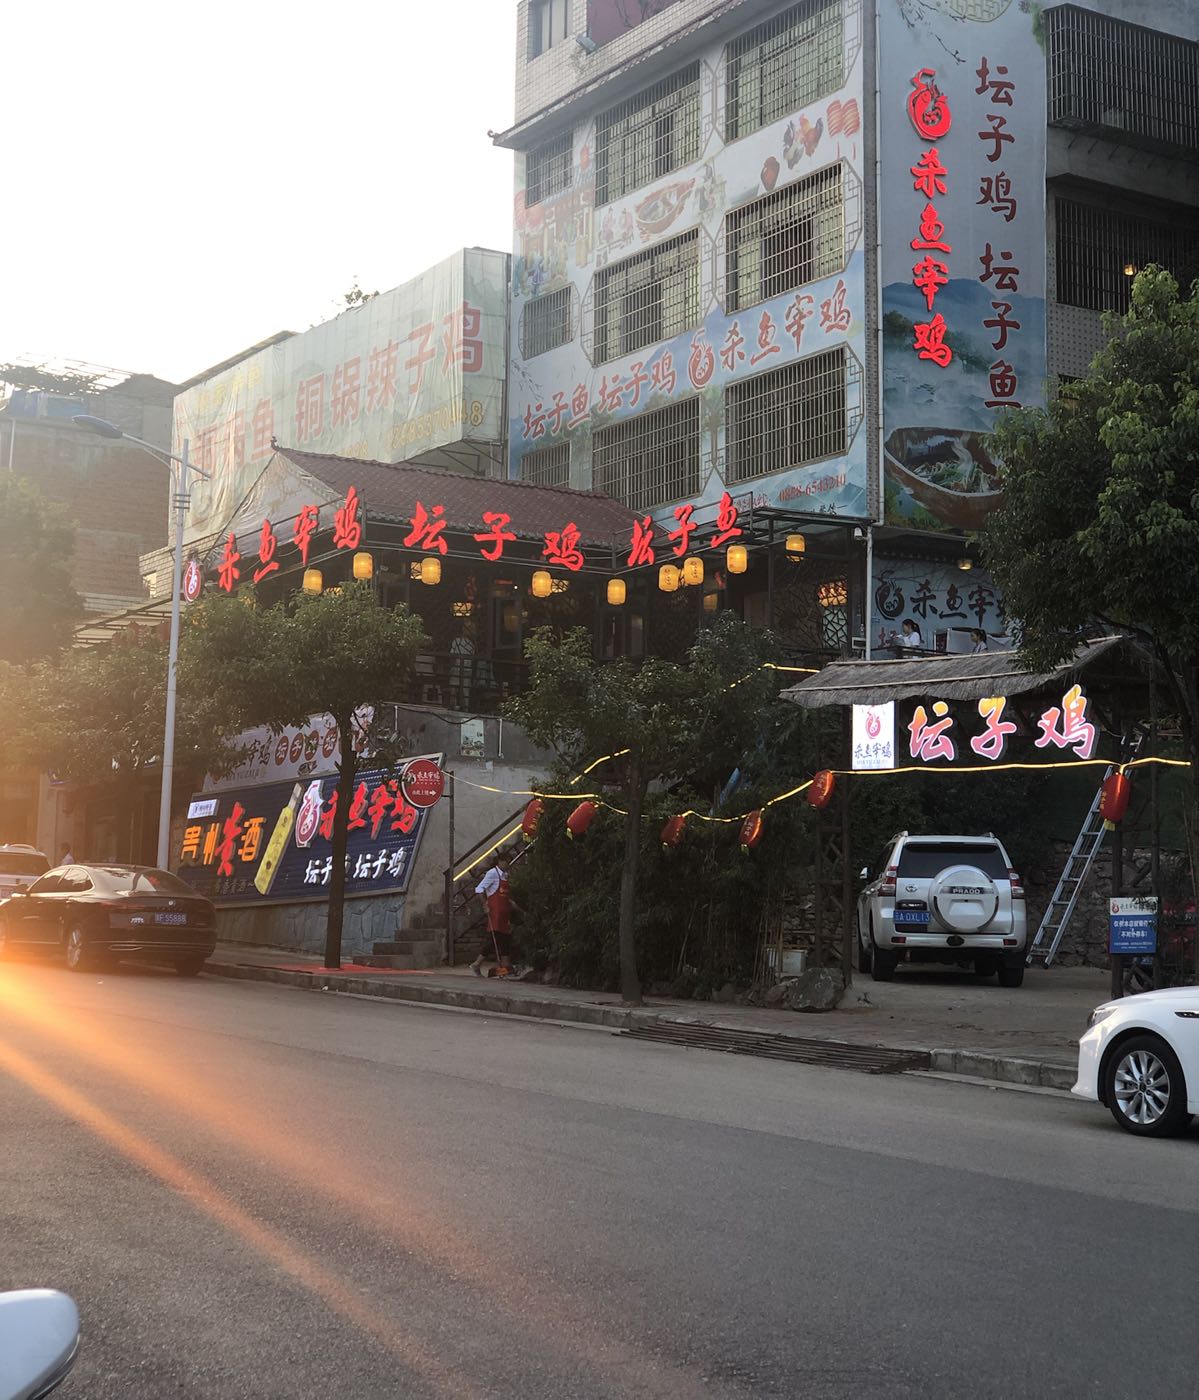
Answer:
(657, 211)
(950, 471)
(801, 139)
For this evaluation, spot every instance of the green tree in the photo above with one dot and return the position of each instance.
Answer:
(38, 606)
(1100, 518)
(670, 723)
(339, 653)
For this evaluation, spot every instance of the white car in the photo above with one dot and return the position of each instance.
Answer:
(20, 866)
(1140, 1057)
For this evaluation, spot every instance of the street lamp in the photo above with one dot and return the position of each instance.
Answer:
(180, 500)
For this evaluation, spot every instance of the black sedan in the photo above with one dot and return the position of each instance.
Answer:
(91, 915)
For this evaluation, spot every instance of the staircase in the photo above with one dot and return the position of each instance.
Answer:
(468, 927)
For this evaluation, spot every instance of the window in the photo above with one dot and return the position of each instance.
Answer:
(1136, 85)
(782, 65)
(647, 298)
(648, 136)
(649, 460)
(793, 236)
(547, 466)
(1100, 250)
(545, 323)
(547, 168)
(549, 24)
(788, 417)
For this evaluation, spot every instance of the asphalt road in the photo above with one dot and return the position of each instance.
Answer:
(259, 1192)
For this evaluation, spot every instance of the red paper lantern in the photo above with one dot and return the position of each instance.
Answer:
(580, 819)
(531, 819)
(821, 792)
(1113, 797)
(672, 832)
(751, 830)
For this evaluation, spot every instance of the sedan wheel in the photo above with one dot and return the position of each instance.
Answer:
(79, 958)
(1145, 1088)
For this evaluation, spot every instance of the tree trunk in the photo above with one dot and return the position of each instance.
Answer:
(347, 771)
(630, 983)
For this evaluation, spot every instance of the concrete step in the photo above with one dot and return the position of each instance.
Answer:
(429, 948)
(406, 962)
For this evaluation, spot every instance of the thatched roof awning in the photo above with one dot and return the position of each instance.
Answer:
(957, 677)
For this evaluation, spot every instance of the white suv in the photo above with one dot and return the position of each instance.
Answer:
(20, 866)
(947, 899)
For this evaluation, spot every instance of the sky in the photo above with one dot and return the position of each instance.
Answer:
(186, 180)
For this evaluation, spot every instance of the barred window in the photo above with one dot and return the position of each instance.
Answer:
(793, 236)
(547, 168)
(547, 466)
(651, 459)
(1099, 251)
(545, 323)
(647, 298)
(549, 24)
(648, 136)
(1137, 85)
(783, 65)
(788, 417)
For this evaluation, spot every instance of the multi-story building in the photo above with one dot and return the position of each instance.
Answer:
(789, 261)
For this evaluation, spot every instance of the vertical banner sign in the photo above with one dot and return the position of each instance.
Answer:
(873, 736)
(963, 255)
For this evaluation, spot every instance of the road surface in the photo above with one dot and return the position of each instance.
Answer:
(258, 1192)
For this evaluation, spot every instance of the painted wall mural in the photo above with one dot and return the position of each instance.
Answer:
(963, 257)
(565, 394)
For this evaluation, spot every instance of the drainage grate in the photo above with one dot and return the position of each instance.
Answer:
(866, 1059)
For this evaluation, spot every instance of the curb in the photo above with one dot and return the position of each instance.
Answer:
(971, 1063)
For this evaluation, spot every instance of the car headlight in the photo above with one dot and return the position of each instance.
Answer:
(1100, 1013)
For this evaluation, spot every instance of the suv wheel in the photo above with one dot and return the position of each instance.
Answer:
(1145, 1089)
(885, 961)
(865, 950)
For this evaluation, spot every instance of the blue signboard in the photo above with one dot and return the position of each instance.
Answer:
(272, 844)
(1133, 926)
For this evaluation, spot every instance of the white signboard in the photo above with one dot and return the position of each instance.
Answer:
(296, 752)
(873, 736)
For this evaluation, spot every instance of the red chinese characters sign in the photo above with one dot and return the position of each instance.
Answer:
(1065, 726)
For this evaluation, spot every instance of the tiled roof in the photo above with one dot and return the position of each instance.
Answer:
(390, 492)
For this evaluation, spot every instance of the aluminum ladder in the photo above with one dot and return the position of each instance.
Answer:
(1078, 865)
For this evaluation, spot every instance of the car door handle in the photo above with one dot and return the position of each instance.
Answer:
(1188, 1015)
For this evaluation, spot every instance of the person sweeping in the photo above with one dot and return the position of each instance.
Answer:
(498, 904)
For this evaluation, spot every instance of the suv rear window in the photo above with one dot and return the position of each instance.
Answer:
(23, 863)
(921, 860)
(143, 881)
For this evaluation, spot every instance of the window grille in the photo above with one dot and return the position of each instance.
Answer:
(545, 323)
(651, 459)
(647, 298)
(787, 417)
(548, 168)
(793, 236)
(547, 466)
(783, 65)
(1137, 85)
(549, 24)
(1099, 251)
(648, 136)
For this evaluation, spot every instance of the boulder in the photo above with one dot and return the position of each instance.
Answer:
(726, 993)
(776, 994)
(817, 989)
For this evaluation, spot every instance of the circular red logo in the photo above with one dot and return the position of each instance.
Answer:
(193, 579)
(297, 748)
(422, 782)
(874, 725)
(281, 749)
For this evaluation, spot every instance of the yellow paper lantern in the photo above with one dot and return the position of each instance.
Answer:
(543, 585)
(737, 559)
(796, 546)
(617, 592)
(693, 571)
(313, 582)
(668, 578)
(965, 564)
(364, 565)
(711, 602)
(430, 570)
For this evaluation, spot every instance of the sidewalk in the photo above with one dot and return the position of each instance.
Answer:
(1025, 1035)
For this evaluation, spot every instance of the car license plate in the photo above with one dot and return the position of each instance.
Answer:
(170, 918)
(911, 916)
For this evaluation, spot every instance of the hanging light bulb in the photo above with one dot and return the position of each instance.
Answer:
(313, 582)
(364, 565)
(796, 548)
(965, 564)
(737, 559)
(617, 592)
(430, 570)
(543, 584)
(693, 571)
